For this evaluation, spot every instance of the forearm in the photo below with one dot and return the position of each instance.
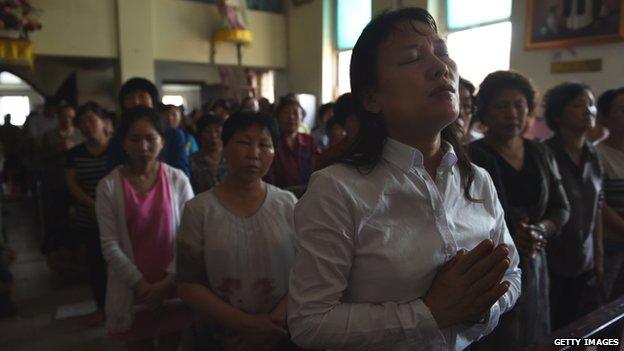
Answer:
(598, 240)
(80, 196)
(363, 325)
(203, 300)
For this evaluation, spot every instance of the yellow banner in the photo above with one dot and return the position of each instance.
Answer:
(239, 36)
(16, 51)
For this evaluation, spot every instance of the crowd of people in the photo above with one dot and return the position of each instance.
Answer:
(420, 212)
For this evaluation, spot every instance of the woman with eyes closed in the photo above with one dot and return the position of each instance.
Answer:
(529, 187)
(386, 258)
(138, 206)
(235, 246)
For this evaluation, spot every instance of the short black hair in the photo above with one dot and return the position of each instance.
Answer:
(322, 110)
(244, 119)
(605, 101)
(133, 114)
(345, 107)
(138, 84)
(468, 85)
(208, 119)
(223, 103)
(556, 99)
(495, 82)
(288, 100)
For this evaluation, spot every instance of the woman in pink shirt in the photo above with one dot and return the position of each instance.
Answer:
(138, 208)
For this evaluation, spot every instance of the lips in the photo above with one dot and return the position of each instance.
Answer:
(444, 88)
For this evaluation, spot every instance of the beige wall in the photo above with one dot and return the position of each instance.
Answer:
(85, 28)
(182, 32)
(536, 63)
(168, 30)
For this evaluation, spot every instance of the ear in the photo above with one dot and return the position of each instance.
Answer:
(371, 102)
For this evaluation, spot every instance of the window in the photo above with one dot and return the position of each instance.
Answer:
(480, 36)
(351, 18)
(17, 106)
(176, 100)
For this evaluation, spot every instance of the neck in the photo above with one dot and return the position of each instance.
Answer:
(97, 141)
(66, 127)
(572, 141)
(504, 144)
(243, 188)
(429, 146)
(142, 168)
(290, 137)
(211, 152)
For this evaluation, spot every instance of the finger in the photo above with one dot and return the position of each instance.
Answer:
(483, 249)
(486, 300)
(492, 278)
(480, 268)
(451, 263)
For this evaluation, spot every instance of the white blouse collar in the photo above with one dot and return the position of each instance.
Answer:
(407, 157)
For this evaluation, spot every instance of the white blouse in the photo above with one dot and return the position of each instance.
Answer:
(246, 261)
(370, 245)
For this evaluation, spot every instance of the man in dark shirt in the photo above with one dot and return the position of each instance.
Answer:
(140, 91)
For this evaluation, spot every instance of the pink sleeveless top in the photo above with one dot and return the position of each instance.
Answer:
(149, 221)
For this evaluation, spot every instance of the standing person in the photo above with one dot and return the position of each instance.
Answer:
(344, 117)
(320, 131)
(386, 258)
(469, 128)
(138, 208)
(575, 254)
(294, 152)
(235, 246)
(529, 186)
(208, 166)
(611, 151)
(62, 249)
(86, 165)
(142, 92)
(174, 118)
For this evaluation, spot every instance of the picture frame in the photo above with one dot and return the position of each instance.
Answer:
(568, 23)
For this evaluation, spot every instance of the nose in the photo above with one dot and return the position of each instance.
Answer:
(439, 69)
(253, 152)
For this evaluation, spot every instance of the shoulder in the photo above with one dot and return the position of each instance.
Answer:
(202, 202)
(282, 197)
(176, 175)
(107, 183)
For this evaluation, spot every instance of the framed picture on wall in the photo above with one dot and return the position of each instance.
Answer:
(565, 23)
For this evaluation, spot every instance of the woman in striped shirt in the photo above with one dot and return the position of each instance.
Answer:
(86, 165)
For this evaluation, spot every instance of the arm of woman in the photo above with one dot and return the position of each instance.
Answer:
(76, 191)
(598, 247)
(317, 317)
(558, 207)
(118, 262)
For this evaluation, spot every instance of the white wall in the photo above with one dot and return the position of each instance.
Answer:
(535, 64)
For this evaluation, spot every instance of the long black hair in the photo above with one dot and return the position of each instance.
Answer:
(367, 150)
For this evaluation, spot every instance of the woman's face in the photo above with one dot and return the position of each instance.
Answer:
(143, 143)
(91, 125)
(249, 153)
(579, 115)
(417, 85)
(173, 118)
(465, 109)
(614, 120)
(506, 115)
(289, 119)
(211, 137)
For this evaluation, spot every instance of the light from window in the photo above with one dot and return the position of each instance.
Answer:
(175, 100)
(469, 13)
(10, 79)
(480, 51)
(17, 106)
(352, 16)
(344, 62)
